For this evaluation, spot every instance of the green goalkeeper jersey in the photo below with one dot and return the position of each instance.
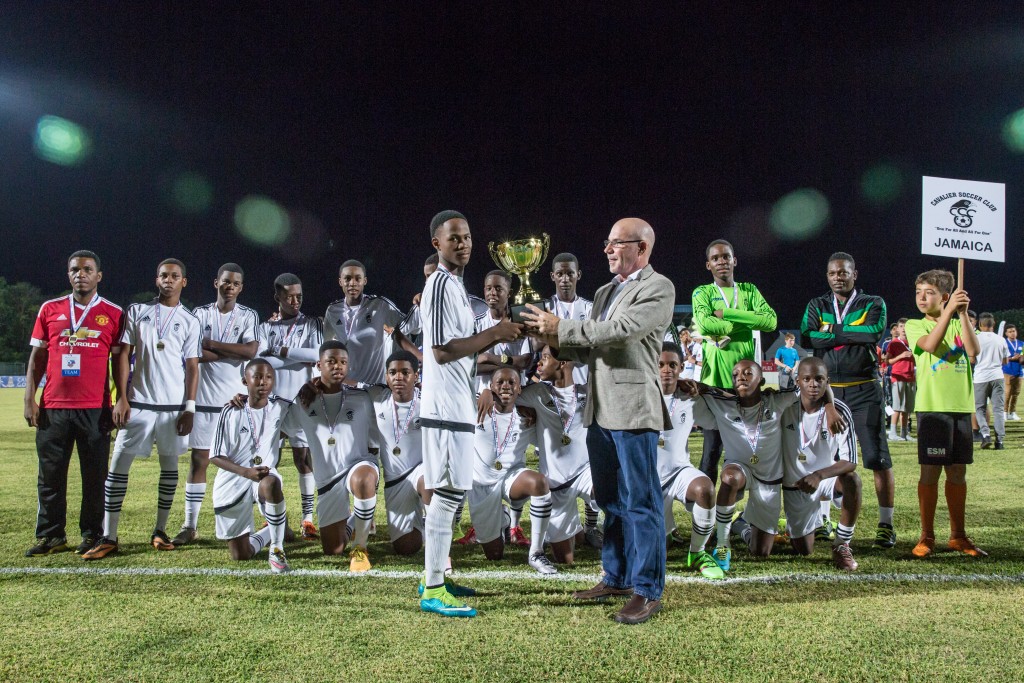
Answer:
(743, 311)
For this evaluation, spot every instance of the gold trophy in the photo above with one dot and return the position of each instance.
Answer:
(521, 257)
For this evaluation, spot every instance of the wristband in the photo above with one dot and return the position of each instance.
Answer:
(190, 406)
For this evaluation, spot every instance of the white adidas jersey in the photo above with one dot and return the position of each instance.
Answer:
(448, 390)
(579, 310)
(495, 458)
(220, 380)
(751, 436)
(673, 452)
(158, 379)
(516, 348)
(302, 336)
(398, 432)
(351, 414)
(361, 329)
(808, 446)
(559, 408)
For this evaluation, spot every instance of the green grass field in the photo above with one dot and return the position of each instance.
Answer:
(149, 616)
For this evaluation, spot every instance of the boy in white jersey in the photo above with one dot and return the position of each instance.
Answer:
(448, 411)
(566, 303)
(246, 453)
(397, 407)
(158, 406)
(749, 422)
(562, 449)
(338, 423)
(819, 466)
(500, 474)
(680, 480)
(291, 345)
(229, 332)
(358, 321)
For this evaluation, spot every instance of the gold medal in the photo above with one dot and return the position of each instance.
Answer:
(257, 460)
(159, 346)
(661, 442)
(754, 460)
(497, 464)
(331, 441)
(566, 440)
(802, 457)
(396, 450)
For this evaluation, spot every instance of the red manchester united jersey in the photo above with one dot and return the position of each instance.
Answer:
(78, 339)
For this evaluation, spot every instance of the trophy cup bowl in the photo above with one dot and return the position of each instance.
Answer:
(522, 257)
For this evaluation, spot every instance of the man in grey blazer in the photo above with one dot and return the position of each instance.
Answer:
(621, 344)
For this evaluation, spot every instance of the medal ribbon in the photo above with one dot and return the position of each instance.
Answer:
(805, 440)
(288, 335)
(160, 330)
(494, 429)
(558, 406)
(735, 294)
(399, 430)
(671, 415)
(330, 422)
(256, 440)
(227, 328)
(569, 312)
(77, 323)
(757, 429)
(351, 322)
(846, 308)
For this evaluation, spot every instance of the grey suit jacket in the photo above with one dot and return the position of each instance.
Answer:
(622, 352)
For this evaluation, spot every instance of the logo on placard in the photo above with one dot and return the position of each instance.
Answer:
(962, 212)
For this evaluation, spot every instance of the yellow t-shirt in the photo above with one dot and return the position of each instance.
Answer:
(944, 380)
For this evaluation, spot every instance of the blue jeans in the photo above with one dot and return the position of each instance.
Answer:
(627, 487)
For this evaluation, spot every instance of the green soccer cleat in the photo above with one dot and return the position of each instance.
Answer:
(826, 532)
(454, 589)
(440, 601)
(707, 565)
(885, 537)
(722, 557)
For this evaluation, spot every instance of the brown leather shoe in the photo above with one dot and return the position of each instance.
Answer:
(637, 610)
(601, 591)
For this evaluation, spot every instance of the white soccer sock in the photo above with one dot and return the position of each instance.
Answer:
(307, 488)
(515, 514)
(723, 523)
(885, 515)
(438, 534)
(165, 490)
(826, 510)
(194, 494)
(363, 512)
(114, 490)
(843, 534)
(701, 527)
(745, 533)
(259, 540)
(590, 515)
(457, 519)
(540, 515)
(277, 519)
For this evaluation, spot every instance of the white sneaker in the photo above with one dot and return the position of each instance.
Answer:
(909, 438)
(542, 564)
(1014, 417)
(278, 562)
(895, 437)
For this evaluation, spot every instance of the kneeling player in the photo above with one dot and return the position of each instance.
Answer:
(680, 480)
(819, 466)
(500, 474)
(336, 420)
(401, 450)
(245, 450)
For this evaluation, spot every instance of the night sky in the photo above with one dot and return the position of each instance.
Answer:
(364, 122)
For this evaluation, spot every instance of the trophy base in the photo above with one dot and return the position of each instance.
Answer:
(517, 310)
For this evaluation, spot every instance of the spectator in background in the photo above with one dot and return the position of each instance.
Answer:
(1012, 371)
(900, 360)
(786, 359)
(988, 381)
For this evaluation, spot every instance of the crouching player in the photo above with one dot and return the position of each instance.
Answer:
(337, 420)
(500, 474)
(564, 460)
(246, 453)
(819, 466)
(401, 450)
(680, 480)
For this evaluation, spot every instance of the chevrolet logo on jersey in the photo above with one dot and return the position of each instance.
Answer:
(83, 333)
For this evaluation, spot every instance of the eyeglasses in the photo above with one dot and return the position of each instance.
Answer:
(618, 244)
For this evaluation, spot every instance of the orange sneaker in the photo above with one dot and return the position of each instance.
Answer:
(161, 541)
(966, 546)
(924, 547)
(469, 538)
(105, 546)
(309, 531)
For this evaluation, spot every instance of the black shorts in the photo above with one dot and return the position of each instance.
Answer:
(944, 439)
(865, 401)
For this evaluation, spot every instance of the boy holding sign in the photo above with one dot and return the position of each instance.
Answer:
(942, 342)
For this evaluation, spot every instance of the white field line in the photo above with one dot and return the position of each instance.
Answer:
(510, 575)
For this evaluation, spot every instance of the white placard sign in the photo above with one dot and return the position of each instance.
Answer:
(963, 219)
